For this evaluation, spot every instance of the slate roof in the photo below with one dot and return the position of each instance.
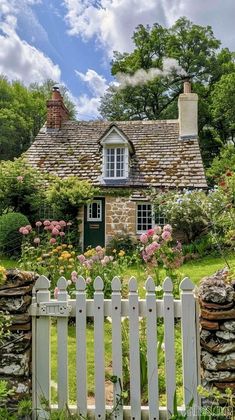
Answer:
(161, 159)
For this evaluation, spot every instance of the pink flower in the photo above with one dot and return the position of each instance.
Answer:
(21, 229)
(106, 259)
(28, 227)
(158, 230)
(38, 224)
(155, 245)
(52, 241)
(99, 249)
(46, 227)
(167, 227)
(58, 227)
(150, 232)
(166, 235)
(36, 240)
(25, 231)
(143, 238)
(62, 234)
(55, 232)
(62, 223)
(81, 258)
(46, 222)
(74, 276)
(56, 291)
(155, 238)
(88, 280)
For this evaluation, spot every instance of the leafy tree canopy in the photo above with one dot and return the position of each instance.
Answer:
(22, 114)
(199, 56)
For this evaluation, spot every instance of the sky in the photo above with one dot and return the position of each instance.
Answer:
(72, 41)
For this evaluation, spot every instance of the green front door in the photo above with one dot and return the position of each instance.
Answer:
(94, 223)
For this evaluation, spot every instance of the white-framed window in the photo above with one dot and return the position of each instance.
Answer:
(144, 217)
(94, 211)
(115, 162)
(147, 218)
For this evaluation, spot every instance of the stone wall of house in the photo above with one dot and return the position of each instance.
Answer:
(120, 216)
(15, 350)
(217, 331)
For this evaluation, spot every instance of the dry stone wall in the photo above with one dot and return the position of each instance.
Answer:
(217, 334)
(15, 350)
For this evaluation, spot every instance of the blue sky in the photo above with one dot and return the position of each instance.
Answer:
(71, 41)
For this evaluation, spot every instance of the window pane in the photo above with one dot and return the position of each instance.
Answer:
(144, 217)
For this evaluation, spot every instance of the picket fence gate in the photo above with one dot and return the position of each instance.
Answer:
(44, 308)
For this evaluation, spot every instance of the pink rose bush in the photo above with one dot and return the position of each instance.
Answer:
(157, 248)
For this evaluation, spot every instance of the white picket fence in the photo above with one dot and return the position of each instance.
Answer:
(44, 308)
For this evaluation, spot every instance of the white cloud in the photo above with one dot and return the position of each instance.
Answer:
(18, 59)
(96, 83)
(87, 106)
(112, 22)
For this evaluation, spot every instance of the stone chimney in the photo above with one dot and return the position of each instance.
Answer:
(56, 110)
(188, 112)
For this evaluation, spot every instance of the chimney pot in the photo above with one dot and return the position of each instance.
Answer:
(187, 86)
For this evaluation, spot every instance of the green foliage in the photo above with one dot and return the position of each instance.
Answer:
(22, 114)
(196, 213)
(10, 238)
(66, 195)
(22, 188)
(122, 242)
(223, 105)
(221, 164)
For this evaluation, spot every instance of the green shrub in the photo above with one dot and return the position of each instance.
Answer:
(10, 238)
(122, 242)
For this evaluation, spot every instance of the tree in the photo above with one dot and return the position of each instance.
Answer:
(223, 106)
(199, 56)
(22, 114)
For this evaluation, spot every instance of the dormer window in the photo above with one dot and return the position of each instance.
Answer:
(116, 161)
(116, 154)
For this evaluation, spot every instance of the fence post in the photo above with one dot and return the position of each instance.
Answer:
(152, 349)
(81, 360)
(42, 350)
(135, 396)
(169, 341)
(189, 343)
(62, 347)
(117, 347)
(99, 349)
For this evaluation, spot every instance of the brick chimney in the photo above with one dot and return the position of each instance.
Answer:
(56, 110)
(188, 112)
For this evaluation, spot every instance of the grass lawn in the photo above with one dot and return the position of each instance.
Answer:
(195, 269)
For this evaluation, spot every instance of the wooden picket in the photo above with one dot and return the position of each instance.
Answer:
(44, 308)
(169, 342)
(117, 346)
(62, 347)
(81, 346)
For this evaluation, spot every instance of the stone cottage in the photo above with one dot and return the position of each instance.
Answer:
(124, 159)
